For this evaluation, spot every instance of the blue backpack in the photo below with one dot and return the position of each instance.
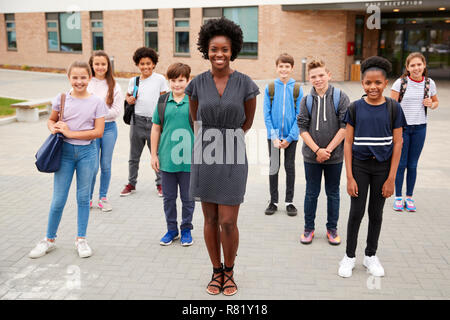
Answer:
(336, 97)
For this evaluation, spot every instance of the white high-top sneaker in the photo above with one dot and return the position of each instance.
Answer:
(374, 266)
(346, 267)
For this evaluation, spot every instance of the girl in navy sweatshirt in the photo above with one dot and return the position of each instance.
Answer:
(372, 149)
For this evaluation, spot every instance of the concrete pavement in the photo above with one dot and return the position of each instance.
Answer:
(129, 263)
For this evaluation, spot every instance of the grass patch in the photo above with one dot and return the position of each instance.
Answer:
(6, 110)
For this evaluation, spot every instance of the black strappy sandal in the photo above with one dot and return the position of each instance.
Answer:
(229, 278)
(219, 272)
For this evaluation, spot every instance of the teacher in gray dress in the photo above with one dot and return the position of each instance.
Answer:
(222, 106)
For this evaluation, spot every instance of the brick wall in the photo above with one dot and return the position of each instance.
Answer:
(302, 34)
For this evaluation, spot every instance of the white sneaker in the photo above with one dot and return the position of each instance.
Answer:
(84, 251)
(42, 248)
(346, 267)
(374, 266)
(104, 205)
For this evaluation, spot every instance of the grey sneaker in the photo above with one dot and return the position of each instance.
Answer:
(84, 251)
(104, 205)
(42, 248)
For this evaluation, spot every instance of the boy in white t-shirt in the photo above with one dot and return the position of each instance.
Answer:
(151, 86)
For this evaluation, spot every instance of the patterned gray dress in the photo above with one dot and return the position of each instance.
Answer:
(219, 162)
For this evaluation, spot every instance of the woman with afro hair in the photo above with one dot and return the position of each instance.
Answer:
(372, 149)
(222, 106)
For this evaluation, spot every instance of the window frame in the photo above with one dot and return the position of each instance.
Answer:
(151, 29)
(93, 20)
(361, 33)
(53, 29)
(205, 18)
(8, 19)
(181, 29)
(57, 29)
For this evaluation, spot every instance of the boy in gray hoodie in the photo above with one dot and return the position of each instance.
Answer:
(322, 129)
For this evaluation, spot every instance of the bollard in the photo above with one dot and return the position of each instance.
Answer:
(304, 71)
(112, 64)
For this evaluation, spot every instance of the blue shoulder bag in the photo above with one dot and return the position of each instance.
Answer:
(48, 157)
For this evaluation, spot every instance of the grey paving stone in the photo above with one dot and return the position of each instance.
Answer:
(129, 263)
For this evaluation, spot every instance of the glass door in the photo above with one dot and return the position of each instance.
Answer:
(391, 48)
(438, 54)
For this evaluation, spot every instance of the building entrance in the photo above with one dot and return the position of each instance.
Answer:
(430, 36)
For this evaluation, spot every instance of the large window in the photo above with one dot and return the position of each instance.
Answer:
(246, 18)
(359, 36)
(11, 31)
(181, 27)
(97, 30)
(64, 32)
(151, 29)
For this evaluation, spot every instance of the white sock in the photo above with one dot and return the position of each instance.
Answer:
(288, 203)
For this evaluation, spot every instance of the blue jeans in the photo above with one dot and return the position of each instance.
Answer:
(313, 175)
(170, 183)
(105, 147)
(82, 160)
(413, 141)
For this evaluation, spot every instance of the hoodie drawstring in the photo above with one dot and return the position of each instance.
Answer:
(324, 110)
(318, 113)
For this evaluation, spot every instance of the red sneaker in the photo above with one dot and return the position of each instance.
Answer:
(159, 188)
(333, 237)
(307, 237)
(129, 189)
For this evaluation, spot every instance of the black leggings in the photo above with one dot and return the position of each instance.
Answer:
(374, 174)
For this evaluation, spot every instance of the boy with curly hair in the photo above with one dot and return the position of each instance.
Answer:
(143, 92)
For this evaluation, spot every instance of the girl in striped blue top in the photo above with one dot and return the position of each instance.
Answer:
(372, 150)
(416, 93)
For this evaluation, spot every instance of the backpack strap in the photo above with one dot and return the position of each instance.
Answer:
(61, 108)
(309, 101)
(336, 99)
(162, 103)
(136, 86)
(271, 91)
(403, 85)
(352, 110)
(297, 89)
(426, 93)
(392, 109)
(135, 92)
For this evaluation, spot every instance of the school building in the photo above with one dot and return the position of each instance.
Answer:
(53, 34)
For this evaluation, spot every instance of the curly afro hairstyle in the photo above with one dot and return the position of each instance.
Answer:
(145, 52)
(220, 27)
(376, 63)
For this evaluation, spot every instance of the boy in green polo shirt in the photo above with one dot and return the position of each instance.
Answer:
(171, 144)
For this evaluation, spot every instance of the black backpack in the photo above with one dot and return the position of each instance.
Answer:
(129, 108)
(162, 103)
(392, 107)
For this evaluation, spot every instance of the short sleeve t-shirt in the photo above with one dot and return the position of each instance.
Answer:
(177, 138)
(80, 114)
(373, 135)
(148, 93)
(412, 102)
